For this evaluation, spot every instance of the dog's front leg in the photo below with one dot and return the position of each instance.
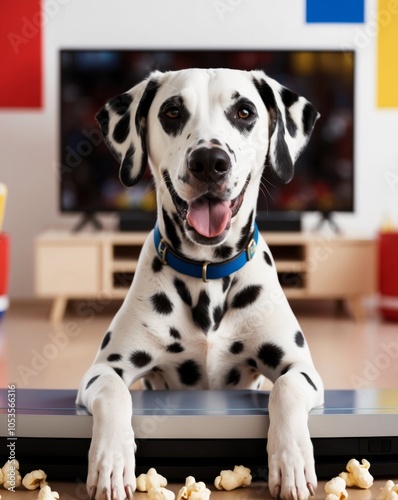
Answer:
(111, 473)
(290, 451)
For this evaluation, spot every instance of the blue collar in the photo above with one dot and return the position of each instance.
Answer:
(204, 270)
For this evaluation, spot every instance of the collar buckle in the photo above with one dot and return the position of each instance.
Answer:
(204, 272)
(162, 250)
(251, 249)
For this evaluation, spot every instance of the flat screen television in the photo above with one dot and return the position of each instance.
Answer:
(324, 174)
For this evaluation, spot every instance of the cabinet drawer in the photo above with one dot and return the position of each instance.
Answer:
(68, 270)
(342, 269)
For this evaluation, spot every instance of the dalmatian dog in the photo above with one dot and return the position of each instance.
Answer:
(205, 309)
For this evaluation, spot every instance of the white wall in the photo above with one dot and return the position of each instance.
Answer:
(28, 140)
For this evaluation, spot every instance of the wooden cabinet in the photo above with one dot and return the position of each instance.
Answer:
(88, 265)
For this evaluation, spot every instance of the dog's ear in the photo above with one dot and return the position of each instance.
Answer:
(292, 119)
(123, 122)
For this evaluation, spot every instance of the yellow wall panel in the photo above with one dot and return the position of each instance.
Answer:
(387, 52)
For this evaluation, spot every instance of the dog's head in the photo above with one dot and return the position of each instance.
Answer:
(207, 135)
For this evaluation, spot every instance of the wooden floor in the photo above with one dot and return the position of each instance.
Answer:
(37, 354)
(256, 491)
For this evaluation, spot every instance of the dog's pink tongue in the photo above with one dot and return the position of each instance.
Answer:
(209, 217)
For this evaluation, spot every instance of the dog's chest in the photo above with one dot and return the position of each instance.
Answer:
(205, 342)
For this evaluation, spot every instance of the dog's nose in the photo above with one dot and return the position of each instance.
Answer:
(209, 164)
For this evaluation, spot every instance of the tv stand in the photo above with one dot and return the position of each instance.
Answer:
(88, 219)
(99, 264)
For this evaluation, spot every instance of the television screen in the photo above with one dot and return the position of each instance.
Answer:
(323, 179)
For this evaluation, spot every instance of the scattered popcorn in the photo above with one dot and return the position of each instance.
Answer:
(159, 493)
(193, 490)
(35, 479)
(358, 474)
(229, 480)
(45, 493)
(151, 479)
(335, 489)
(11, 477)
(389, 491)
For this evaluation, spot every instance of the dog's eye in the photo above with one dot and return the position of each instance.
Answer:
(244, 113)
(172, 112)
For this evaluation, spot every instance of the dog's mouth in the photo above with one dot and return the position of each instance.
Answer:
(208, 215)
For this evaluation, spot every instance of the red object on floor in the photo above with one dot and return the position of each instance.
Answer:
(21, 26)
(388, 274)
(4, 267)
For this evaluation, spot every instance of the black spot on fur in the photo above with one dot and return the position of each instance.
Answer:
(233, 377)
(245, 233)
(171, 233)
(285, 370)
(122, 129)
(299, 339)
(223, 252)
(308, 379)
(270, 354)
(119, 371)
(267, 258)
(121, 103)
(283, 164)
(244, 126)
(200, 313)
(157, 265)
(106, 340)
(102, 118)
(91, 381)
(218, 314)
(309, 117)
(156, 369)
(173, 126)
(283, 161)
(236, 347)
(183, 291)
(140, 359)
(126, 168)
(161, 303)
(114, 357)
(252, 362)
(175, 347)
(216, 142)
(144, 105)
(246, 296)
(175, 333)
(225, 283)
(288, 99)
(189, 372)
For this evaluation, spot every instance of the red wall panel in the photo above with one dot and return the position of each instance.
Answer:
(21, 36)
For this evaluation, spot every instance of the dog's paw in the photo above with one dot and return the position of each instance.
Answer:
(111, 470)
(291, 464)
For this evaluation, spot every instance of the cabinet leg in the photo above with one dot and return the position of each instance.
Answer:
(356, 307)
(58, 309)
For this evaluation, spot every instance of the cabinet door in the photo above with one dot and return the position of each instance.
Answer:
(341, 268)
(67, 269)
